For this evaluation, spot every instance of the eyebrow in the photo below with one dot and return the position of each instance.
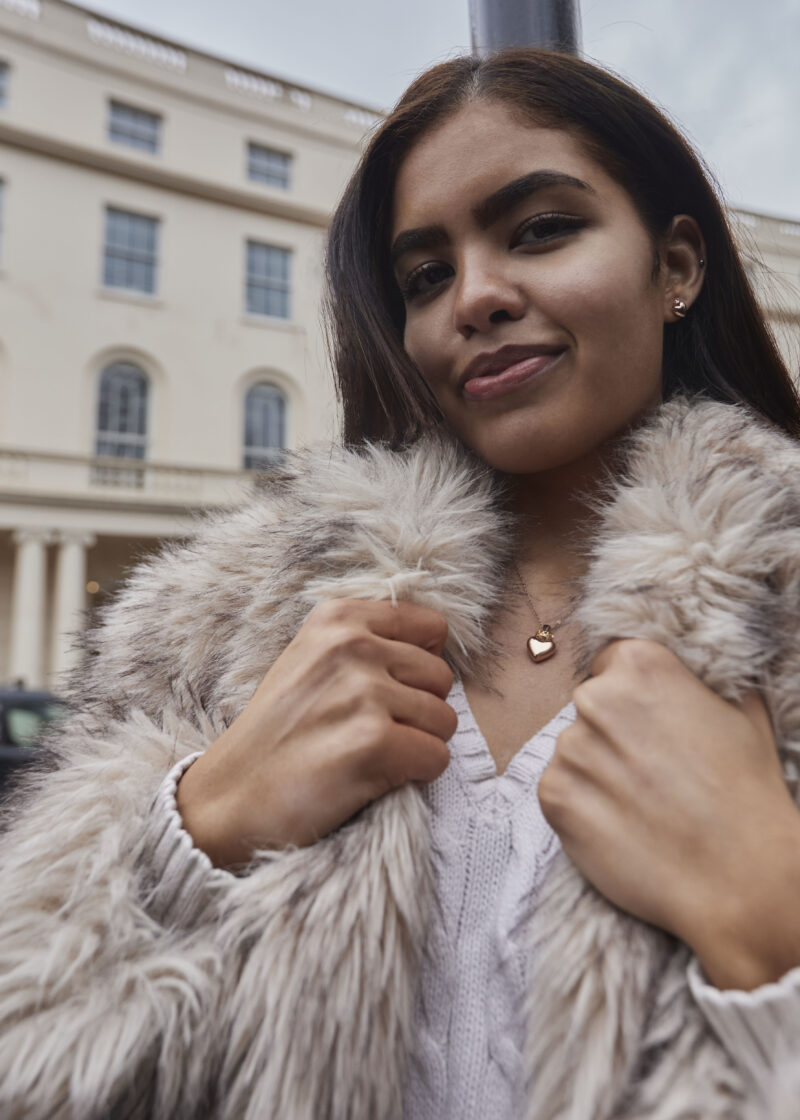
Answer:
(487, 212)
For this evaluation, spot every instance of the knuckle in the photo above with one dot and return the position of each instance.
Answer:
(571, 756)
(433, 621)
(451, 721)
(330, 611)
(391, 764)
(447, 676)
(438, 759)
(372, 729)
(587, 698)
(564, 745)
(553, 795)
(364, 690)
(641, 655)
(351, 643)
(358, 644)
(437, 716)
(440, 627)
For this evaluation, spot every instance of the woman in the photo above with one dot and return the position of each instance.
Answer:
(279, 870)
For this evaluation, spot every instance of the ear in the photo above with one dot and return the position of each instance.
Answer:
(682, 273)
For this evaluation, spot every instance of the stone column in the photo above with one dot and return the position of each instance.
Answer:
(70, 597)
(28, 606)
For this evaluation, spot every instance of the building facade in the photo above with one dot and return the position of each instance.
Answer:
(162, 222)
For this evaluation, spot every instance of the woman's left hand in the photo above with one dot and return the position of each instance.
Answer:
(672, 802)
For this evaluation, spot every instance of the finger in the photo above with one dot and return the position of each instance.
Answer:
(585, 752)
(412, 755)
(402, 621)
(422, 710)
(418, 668)
(602, 659)
(409, 622)
(633, 652)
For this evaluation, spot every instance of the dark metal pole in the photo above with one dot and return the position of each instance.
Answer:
(554, 24)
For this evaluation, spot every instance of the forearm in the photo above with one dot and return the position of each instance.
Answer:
(747, 932)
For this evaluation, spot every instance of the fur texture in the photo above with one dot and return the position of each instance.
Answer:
(699, 549)
(288, 991)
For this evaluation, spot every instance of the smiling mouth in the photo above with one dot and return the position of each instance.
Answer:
(497, 383)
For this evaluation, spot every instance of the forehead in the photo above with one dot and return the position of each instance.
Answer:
(480, 147)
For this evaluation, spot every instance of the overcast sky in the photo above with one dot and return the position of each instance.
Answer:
(725, 70)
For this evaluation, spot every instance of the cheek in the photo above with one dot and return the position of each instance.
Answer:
(423, 341)
(615, 317)
(605, 296)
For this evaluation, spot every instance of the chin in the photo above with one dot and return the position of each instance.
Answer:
(522, 450)
(523, 460)
(531, 442)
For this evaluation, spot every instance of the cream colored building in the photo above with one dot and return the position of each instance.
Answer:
(162, 221)
(770, 247)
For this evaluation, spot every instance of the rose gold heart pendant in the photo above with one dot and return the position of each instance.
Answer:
(542, 645)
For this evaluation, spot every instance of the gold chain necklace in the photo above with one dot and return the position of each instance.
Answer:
(542, 645)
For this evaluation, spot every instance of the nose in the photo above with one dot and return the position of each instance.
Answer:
(484, 295)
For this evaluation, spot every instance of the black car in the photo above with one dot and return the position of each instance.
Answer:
(23, 717)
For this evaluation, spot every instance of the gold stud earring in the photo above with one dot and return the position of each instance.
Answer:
(679, 307)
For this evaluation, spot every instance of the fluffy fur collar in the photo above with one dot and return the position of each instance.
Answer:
(289, 991)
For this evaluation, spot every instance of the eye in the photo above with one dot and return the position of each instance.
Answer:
(424, 279)
(546, 227)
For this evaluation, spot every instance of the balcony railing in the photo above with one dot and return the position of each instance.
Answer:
(103, 479)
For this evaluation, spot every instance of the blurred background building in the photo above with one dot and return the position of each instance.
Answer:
(162, 222)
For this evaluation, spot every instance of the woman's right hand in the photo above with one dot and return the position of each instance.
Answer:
(352, 708)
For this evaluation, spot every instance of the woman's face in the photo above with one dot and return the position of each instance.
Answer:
(532, 311)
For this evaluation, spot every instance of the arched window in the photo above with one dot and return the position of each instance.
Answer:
(264, 426)
(121, 421)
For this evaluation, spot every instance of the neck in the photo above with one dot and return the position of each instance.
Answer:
(556, 519)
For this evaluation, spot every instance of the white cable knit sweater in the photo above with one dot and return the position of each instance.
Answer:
(491, 846)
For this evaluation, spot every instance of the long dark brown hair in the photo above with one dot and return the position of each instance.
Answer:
(723, 348)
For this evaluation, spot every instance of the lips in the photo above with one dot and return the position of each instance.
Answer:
(503, 369)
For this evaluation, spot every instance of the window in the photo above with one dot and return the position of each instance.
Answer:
(131, 251)
(267, 280)
(5, 72)
(264, 426)
(121, 422)
(135, 127)
(265, 165)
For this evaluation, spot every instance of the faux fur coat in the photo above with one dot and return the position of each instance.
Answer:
(288, 992)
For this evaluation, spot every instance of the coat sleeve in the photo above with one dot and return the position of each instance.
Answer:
(759, 1029)
(225, 995)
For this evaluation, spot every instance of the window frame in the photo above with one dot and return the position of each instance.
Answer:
(5, 82)
(264, 282)
(132, 256)
(132, 138)
(255, 149)
(128, 444)
(258, 456)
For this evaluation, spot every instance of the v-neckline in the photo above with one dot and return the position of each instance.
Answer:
(470, 751)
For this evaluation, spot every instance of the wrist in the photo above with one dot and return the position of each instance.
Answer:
(201, 804)
(748, 932)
